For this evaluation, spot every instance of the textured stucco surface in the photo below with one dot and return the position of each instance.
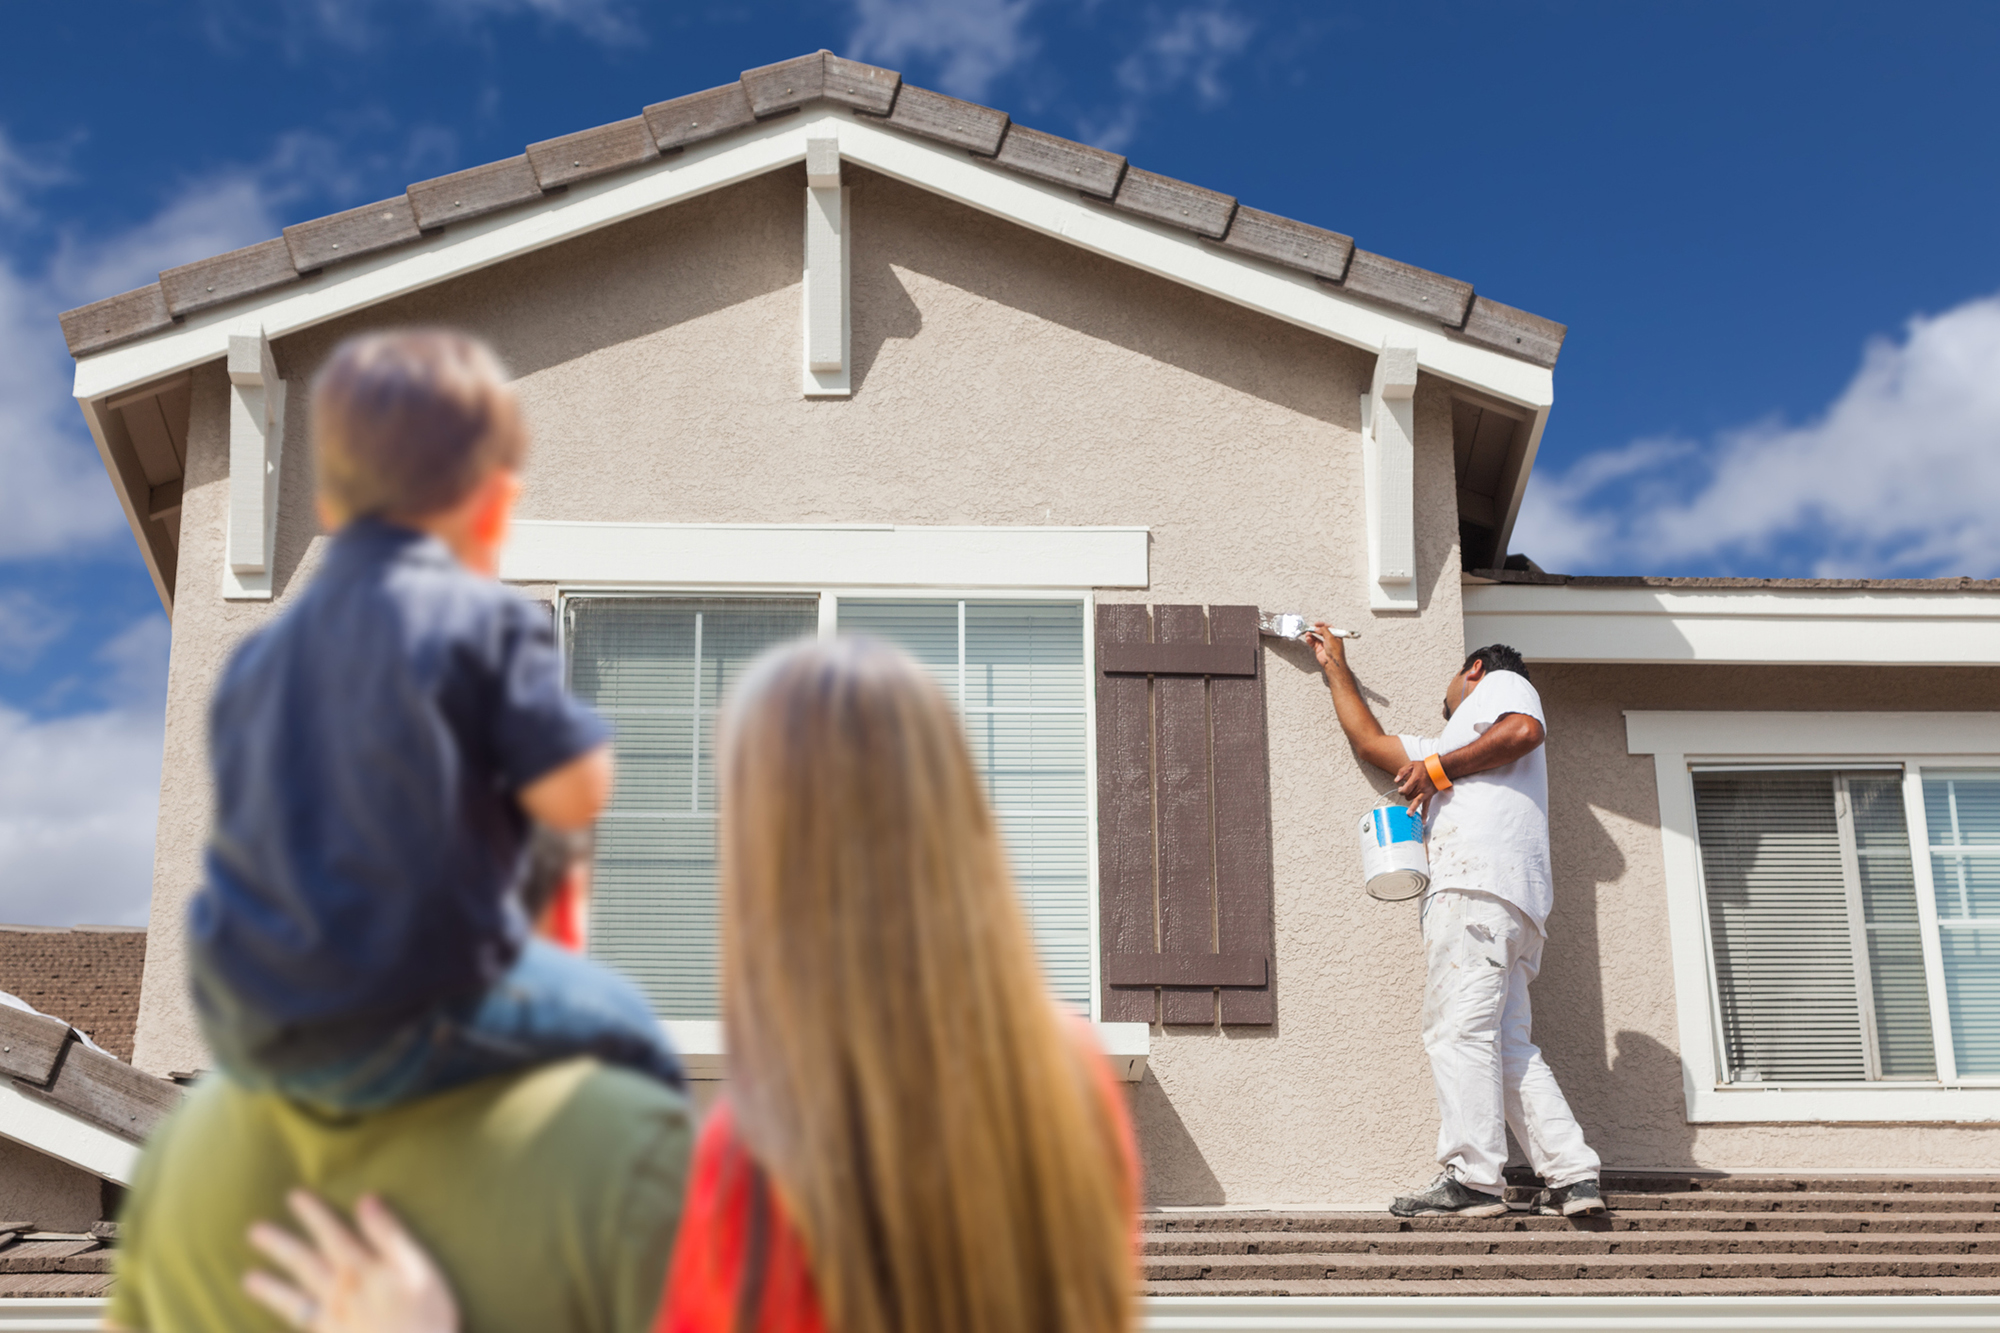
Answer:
(53, 1195)
(1604, 1006)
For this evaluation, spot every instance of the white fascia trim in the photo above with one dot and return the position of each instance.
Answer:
(790, 555)
(1565, 1314)
(52, 1314)
(54, 1132)
(703, 1053)
(1745, 626)
(464, 248)
(1676, 740)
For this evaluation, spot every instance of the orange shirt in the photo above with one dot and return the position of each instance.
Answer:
(731, 1209)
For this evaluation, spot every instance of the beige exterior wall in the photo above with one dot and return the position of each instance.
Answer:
(1006, 378)
(53, 1195)
(1604, 1006)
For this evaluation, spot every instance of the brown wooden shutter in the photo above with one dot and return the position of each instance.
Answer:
(1183, 816)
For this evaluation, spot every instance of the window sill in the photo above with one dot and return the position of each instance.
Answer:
(699, 1041)
(1877, 1103)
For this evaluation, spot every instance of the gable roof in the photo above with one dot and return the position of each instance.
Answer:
(669, 128)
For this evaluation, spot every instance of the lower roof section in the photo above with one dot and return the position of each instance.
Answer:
(1749, 621)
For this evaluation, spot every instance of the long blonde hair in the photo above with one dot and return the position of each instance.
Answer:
(896, 1062)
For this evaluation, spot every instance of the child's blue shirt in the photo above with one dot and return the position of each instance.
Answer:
(368, 750)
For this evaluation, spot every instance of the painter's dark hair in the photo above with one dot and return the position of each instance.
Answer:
(551, 854)
(1497, 657)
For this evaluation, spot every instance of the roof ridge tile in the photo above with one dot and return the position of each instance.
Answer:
(361, 231)
(474, 192)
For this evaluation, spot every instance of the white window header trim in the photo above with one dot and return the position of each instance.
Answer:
(788, 555)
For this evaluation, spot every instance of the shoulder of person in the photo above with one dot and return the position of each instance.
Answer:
(1510, 688)
(600, 1109)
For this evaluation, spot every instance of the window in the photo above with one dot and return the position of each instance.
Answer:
(1833, 907)
(1016, 672)
(1812, 918)
(1962, 810)
(658, 667)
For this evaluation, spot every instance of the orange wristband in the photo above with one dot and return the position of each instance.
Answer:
(1435, 767)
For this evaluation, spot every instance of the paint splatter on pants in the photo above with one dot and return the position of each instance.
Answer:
(1483, 952)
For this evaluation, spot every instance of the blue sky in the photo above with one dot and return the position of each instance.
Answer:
(1770, 228)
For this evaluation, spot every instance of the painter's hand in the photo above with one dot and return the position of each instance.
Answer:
(379, 1281)
(1413, 782)
(1327, 646)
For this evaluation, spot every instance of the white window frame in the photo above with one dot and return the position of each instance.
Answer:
(829, 598)
(1680, 741)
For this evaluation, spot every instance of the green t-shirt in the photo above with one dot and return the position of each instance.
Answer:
(550, 1198)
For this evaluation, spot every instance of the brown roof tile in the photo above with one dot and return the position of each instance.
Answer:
(350, 235)
(87, 978)
(474, 192)
(1176, 203)
(778, 89)
(700, 116)
(246, 272)
(587, 153)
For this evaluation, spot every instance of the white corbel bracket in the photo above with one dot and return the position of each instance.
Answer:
(828, 323)
(1388, 463)
(256, 448)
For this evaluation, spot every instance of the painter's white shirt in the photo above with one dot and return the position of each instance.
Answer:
(1490, 832)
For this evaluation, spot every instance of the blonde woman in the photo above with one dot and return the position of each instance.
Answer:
(914, 1137)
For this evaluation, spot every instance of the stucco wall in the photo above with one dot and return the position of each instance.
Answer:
(1604, 1006)
(53, 1195)
(1000, 378)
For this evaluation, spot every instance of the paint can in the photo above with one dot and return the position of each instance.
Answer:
(1393, 863)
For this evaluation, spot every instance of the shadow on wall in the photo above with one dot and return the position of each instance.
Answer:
(1061, 283)
(1175, 1171)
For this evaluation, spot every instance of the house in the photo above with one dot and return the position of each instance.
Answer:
(818, 351)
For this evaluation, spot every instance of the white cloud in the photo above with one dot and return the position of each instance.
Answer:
(299, 26)
(1900, 476)
(79, 797)
(57, 497)
(27, 625)
(970, 43)
(1188, 48)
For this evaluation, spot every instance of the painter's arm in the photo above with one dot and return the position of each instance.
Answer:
(1513, 736)
(1357, 719)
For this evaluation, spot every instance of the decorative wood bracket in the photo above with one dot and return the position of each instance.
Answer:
(1388, 460)
(828, 324)
(256, 450)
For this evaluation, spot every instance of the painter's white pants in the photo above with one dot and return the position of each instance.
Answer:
(1483, 952)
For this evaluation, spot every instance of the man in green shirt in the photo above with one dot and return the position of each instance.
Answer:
(549, 1197)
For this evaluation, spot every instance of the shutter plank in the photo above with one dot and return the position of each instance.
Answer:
(1125, 813)
(1182, 796)
(1242, 817)
(1179, 659)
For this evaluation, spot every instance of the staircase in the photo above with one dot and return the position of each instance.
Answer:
(1678, 1235)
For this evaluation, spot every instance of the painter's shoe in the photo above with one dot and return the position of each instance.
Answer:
(1446, 1197)
(1578, 1200)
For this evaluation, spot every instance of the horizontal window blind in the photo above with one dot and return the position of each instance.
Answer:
(1015, 670)
(1813, 926)
(1962, 811)
(658, 668)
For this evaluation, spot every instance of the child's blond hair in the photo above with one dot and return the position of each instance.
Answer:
(409, 421)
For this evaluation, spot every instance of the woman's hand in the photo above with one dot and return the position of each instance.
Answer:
(379, 1281)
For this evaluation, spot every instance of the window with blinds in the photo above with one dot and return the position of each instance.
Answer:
(1016, 671)
(1813, 926)
(1962, 810)
(658, 669)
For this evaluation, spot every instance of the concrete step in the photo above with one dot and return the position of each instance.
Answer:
(1759, 1202)
(1646, 1220)
(1559, 1268)
(1662, 1182)
(1715, 1286)
(1575, 1242)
